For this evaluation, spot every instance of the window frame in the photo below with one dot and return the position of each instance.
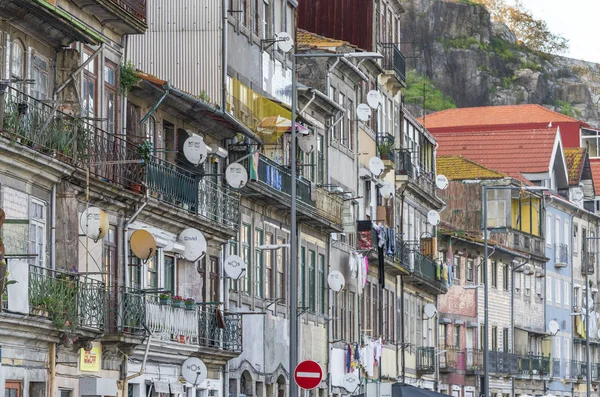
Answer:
(18, 43)
(111, 89)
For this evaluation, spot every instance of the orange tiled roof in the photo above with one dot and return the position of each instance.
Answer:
(509, 152)
(575, 159)
(595, 165)
(460, 168)
(308, 39)
(494, 115)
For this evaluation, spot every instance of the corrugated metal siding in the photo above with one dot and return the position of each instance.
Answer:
(349, 20)
(182, 45)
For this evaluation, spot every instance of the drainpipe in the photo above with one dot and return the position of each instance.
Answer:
(167, 88)
(402, 344)
(225, 300)
(224, 43)
(52, 362)
(53, 229)
(142, 369)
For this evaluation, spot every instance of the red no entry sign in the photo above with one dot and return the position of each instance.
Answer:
(308, 375)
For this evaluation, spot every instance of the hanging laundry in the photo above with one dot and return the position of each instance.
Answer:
(348, 358)
(353, 265)
(450, 275)
(365, 270)
(356, 352)
(364, 231)
(381, 235)
(391, 242)
(438, 272)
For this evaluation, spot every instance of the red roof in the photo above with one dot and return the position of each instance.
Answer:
(596, 174)
(509, 152)
(471, 118)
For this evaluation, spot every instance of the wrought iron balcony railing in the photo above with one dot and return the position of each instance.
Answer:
(32, 123)
(533, 364)
(448, 358)
(393, 59)
(500, 362)
(134, 7)
(588, 262)
(418, 173)
(426, 360)
(72, 302)
(561, 254)
(474, 360)
(408, 255)
(386, 147)
(556, 365)
(205, 325)
(278, 177)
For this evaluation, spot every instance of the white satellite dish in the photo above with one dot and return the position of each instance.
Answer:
(94, 223)
(194, 242)
(351, 382)
(386, 190)
(306, 143)
(236, 175)
(195, 150)
(373, 99)
(433, 217)
(429, 310)
(194, 371)
(284, 42)
(336, 280)
(234, 267)
(376, 166)
(553, 327)
(441, 182)
(363, 112)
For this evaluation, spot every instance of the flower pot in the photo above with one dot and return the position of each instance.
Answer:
(190, 306)
(180, 339)
(164, 301)
(136, 188)
(178, 303)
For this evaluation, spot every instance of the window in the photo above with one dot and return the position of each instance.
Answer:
(109, 258)
(65, 393)
(538, 287)
(259, 265)
(320, 160)
(351, 119)
(256, 16)
(244, 12)
(566, 233)
(340, 130)
(312, 296)
(352, 316)
(302, 283)
(280, 271)
(556, 291)
(575, 239)
(266, 18)
(456, 267)
(505, 276)
(269, 281)
(37, 232)
(170, 274)
(481, 336)
(152, 274)
(246, 235)
(494, 274)
(456, 337)
(527, 285)
(589, 140)
(505, 347)
(442, 335)
(90, 80)
(517, 282)
(548, 235)
(470, 266)
(567, 287)
(110, 91)
(557, 231)
(494, 338)
(549, 289)
(322, 288)
(17, 67)
(213, 280)
(40, 76)
(496, 208)
(576, 302)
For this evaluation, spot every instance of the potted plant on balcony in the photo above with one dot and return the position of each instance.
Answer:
(145, 153)
(178, 301)
(190, 304)
(386, 149)
(164, 299)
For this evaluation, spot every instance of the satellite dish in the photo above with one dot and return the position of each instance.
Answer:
(376, 166)
(194, 150)
(234, 267)
(194, 242)
(194, 371)
(429, 310)
(387, 190)
(284, 42)
(142, 244)
(433, 217)
(553, 327)
(363, 112)
(306, 143)
(373, 99)
(94, 223)
(236, 175)
(336, 280)
(441, 182)
(351, 382)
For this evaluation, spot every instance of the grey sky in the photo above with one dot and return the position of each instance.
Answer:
(577, 20)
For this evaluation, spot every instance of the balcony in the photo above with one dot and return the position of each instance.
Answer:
(561, 255)
(203, 326)
(394, 61)
(595, 372)
(386, 149)
(72, 302)
(450, 359)
(588, 261)
(474, 361)
(577, 369)
(425, 360)
(556, 364)
(115, 161)
(532, 364)
(409, 170)
(126, 16)
(423, 271)
(500, 362)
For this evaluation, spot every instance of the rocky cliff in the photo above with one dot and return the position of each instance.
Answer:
(455, 51)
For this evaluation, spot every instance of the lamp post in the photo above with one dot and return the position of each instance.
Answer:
(485, 188)
(293, 230)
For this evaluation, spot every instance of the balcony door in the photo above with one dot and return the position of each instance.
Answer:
(110, 273)
(12, 389)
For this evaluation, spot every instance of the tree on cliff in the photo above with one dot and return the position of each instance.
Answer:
(530, 32)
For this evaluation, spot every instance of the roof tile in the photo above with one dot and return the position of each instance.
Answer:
(595, 165)
(460, 168)
(308, 40)
(575, 159)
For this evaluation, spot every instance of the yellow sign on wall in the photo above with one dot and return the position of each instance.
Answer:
(89, 361)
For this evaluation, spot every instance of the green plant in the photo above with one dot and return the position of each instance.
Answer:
(144, 151)
(536, 67)
(503, 49)
(463, 43)
(567, 109)
(178, 298)
(386, 146)
(423, 92)
(190, 301)
(128, 77)
(203, 96)
(164, 296)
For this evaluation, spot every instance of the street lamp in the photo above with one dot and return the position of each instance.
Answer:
(484, 187)
(293, 232)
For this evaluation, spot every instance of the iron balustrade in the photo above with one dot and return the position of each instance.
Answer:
(74, 141)
(404, 164)
(279, 178)
(134, 7)
(426, 360)
(386, 147)
(393, 59)
(409, 256)
(556, 364)
(561, 254)
(474, 360)
(448, 358)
